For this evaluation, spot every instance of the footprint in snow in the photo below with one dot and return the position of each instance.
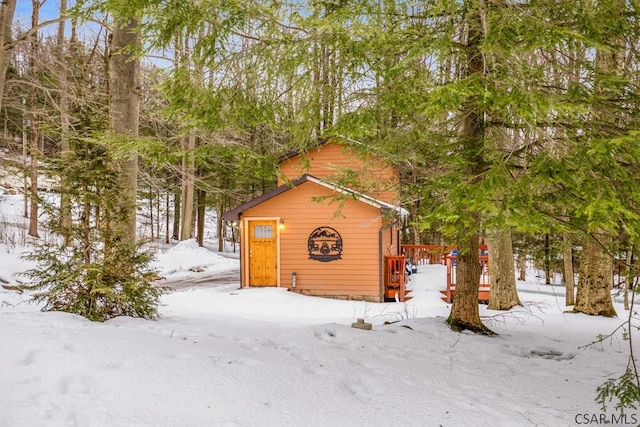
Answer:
(325, 334)
(551, 354)
(29, 359)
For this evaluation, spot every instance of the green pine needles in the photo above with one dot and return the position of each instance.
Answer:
(108, 286)
(90, 267)
(624, 390)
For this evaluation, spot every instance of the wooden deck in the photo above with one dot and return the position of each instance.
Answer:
(446, 255)
(426, 254)
(483, 287)
(395, 279)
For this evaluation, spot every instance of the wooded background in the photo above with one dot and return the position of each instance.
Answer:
(513, 123)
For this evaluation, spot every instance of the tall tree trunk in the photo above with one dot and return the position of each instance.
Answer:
(220, 224)
(124, 103)
(200, 220)
(158, 199)
(34, 150)
(188, 186)
(25, 153)
(547, 260)
(596, 275)
(630, 275)
(522, 264)
(177, 202)
(567, 263)
(153, 237)
(464, 312)
(33, 170)
(167, 237)
(7, 11)
(596, 278)
(65, 200)
(503, 295)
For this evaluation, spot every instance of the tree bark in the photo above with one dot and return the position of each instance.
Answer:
(503, 295)
(630, 274)
(65, 200)
(177, 202)
(596, 271)
(464, 311)
(596, 278)
(200, 220)
(7, 11)
(34, 148)
(220, 224)
(567, 263)
(522, 264)
(153, 237)
(547, 260)
(124, 102)
(188, 186)
(465, 314)
(33, 170)
(167, 237)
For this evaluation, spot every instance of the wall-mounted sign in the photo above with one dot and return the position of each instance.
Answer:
(325, 244)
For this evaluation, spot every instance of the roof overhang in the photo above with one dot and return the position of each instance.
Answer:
(234, 214)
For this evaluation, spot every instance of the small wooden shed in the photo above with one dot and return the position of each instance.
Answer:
(315, 237)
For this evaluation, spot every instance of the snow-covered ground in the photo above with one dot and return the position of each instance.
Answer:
(223, 356)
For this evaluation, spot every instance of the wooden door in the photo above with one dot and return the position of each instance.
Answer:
(263, 253)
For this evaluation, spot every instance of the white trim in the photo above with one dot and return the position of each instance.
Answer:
(361, 197)
(244, 254)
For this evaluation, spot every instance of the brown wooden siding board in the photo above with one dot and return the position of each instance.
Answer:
(359, 232)
(326, 161)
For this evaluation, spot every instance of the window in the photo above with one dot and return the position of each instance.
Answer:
(263, 231)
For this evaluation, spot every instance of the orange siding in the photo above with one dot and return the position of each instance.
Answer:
(357, 273)
(326, 162)
(390, 240)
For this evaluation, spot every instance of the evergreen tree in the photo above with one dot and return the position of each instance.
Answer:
(99, 273)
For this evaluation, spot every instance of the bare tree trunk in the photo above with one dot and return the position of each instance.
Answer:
(166, 219)
(153, 237)
(34, 150)
(503, 295)
(567, 263)
(465, 314)
(7, 11)
(25, 153)
(522, 264)
(220, 224)
(547, 260)
(124, 102)
(177, 202)
(200, 220)
(158, 199)
(596, 278)
(188, 186)
(65, 200)
(629, 276)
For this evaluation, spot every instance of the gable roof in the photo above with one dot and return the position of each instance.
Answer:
(234, 214)
(294, 153)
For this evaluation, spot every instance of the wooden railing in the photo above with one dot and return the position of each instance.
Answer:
(395, 278)
(426, 254)
(485, 278)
